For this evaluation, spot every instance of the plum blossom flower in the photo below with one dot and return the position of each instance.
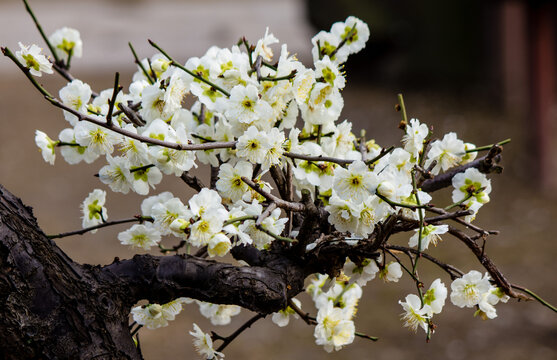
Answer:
(414, 139)
(447, 152)
(468, 290)
(141, 236)
(67, 41)
(204, 344)
(46, 146)
(430, 234)
(76, 95)
(32, 59)
(334, 327)
(93, 210)
(219, 314)
(392, 272)
(353, 31)
(282, 317)
(230, 183)
(435, 297)
(245, 106)
(414, 314)
(355, 183)
(154, 316)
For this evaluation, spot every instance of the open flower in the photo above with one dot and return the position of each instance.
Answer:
(355, 183)
(67, 41)
(32, 59)
(430, 234)
(468, 290)
(93, 210)
(140, 236)
(204, 344)
(154, 316)
(414, 314)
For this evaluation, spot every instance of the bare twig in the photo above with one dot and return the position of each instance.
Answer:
(137, 218)
(148, 140)
(192, 181)
(227, 340)
(287, 205)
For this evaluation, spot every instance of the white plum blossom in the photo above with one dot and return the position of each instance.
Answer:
(468, 290)
(471, 187)
(282, 317)
(362, 273)
(262, 48)
(166, 212)
(355, 183)
(253, 145)
(353, 31)
(392, 272)
(230, 183)
(148, 203)
(67, 41)
(448, 152)
(323, 106)
(46, 146)
(219, 314)
(435, 297)
(93, 211)
(219, 245)
(334, 328)
(141, 236)
(135, 151)
(430, 234)
(204, 344)
(142, 178)
(416, 134)
(76, 95)
(328, 70)
(32, 59)
(72, 152)
(97, 139)
(154, 316)
(343, 214)
(245, 106)
(415, 315)
(116, 174)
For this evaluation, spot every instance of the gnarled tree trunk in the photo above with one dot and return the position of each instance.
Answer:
(51, 306)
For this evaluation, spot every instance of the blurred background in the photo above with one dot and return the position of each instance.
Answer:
(483, 69)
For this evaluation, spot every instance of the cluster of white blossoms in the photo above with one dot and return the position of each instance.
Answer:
(246, 105)
(474, 290)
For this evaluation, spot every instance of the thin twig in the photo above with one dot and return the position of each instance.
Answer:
(178, 65)
(318, 158)
(40, 28)
(136, 60)
(148, 140)
(137, 218)
(287, 205)
(536, 297)
(227, 340)
(117, 88)
(447, 267)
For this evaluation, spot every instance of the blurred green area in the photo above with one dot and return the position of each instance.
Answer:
(525, 250)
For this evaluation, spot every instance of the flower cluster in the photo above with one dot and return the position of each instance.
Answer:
(254, 117)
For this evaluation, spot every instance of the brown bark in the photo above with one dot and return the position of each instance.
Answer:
(54, 308)
(51, 306)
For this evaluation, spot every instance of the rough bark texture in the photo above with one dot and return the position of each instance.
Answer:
(53, 308)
